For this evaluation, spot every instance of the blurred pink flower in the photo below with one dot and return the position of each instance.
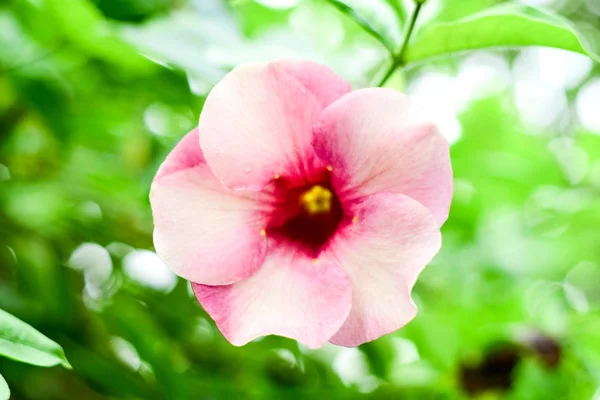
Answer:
(302, 208)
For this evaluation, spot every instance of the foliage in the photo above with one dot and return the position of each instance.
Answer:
(504, 25)
(4, 390)
(22, 342)
(94, 94)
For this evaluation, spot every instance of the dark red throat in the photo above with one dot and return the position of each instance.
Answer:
(294, 224)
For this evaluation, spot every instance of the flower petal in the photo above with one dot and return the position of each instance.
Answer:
(204, 231)
(289, 296)
(377, 141)
(257, 122)
(320, 80)
(383, 251)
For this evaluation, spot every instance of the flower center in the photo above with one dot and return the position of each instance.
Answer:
(305, 215)
(316, 200)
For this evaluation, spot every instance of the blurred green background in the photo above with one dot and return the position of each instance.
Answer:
(95, 93)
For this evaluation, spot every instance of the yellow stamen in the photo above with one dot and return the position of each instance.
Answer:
(263, 232)
(329, 168)
(354, 219)
(317, 200)
(315, 260)
(277, 176)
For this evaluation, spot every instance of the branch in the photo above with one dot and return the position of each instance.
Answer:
(398, 59)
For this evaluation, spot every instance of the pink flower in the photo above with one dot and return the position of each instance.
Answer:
(302, 208)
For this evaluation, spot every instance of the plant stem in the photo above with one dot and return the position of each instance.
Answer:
(398, 59)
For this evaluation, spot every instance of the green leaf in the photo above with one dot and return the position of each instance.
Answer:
(451, 10)
(4, 390)
(507, 25)
(22, 342)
